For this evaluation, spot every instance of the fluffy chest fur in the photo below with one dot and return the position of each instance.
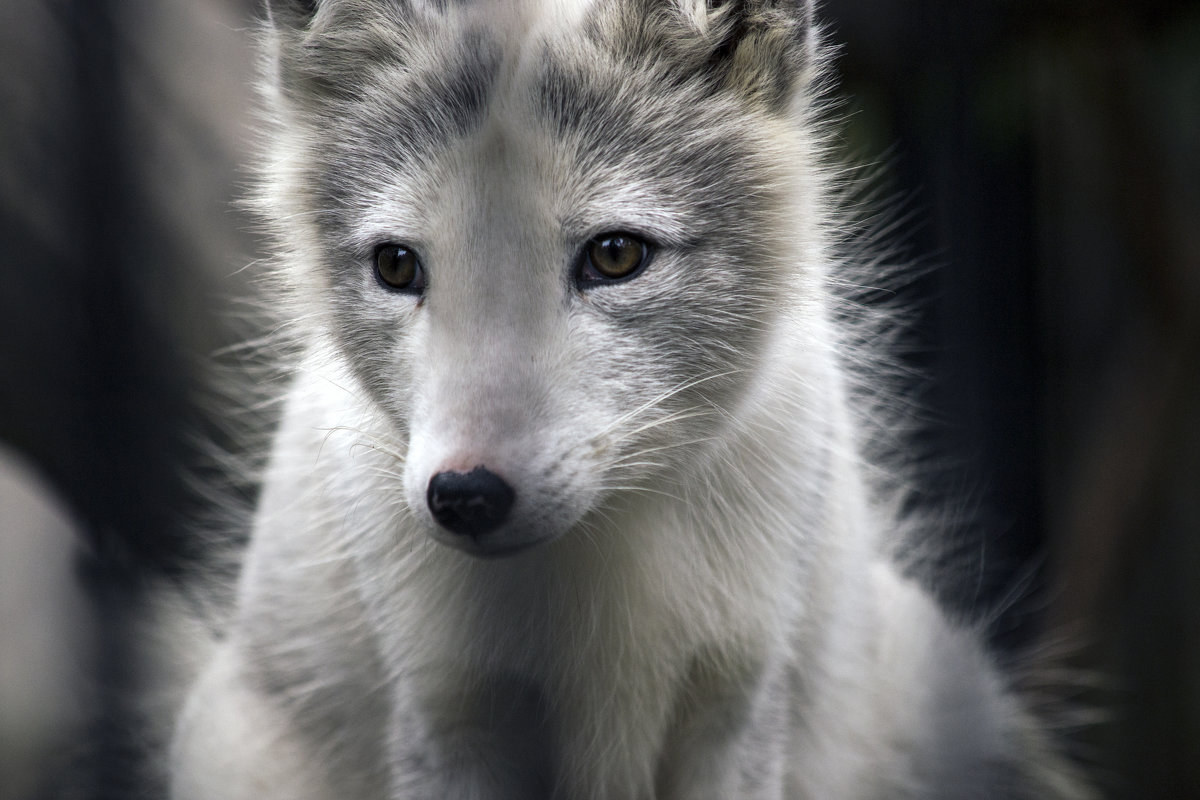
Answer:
(603, 654)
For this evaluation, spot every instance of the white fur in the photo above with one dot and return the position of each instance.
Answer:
(708, 611)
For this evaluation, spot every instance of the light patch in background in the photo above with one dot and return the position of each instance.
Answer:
(45, 631)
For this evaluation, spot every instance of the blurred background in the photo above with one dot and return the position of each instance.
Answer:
(1046, 154)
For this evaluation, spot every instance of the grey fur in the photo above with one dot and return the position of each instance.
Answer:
(702, 607)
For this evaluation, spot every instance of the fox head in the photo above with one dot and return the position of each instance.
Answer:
(552, 243)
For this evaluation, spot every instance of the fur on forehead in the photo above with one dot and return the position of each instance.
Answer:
(761, 50)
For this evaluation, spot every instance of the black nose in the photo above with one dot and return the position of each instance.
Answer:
(471, 503)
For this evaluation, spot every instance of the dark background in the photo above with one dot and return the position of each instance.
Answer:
(1046, 154)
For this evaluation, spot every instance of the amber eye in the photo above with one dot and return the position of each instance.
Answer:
(613, 256)
(399, 268)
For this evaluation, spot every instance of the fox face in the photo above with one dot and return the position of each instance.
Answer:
(551, 248)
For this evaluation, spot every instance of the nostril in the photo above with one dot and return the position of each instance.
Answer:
(470, 503)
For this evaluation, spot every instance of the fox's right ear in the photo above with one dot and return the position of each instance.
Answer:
(291, 13)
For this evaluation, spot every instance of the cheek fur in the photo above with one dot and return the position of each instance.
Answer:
(379, 332)
(695, 319)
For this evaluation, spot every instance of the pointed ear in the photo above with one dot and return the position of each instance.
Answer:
(284, 23)
(764, 49)
(291, 13)
(317, 50)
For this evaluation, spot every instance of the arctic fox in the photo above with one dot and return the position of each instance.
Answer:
(570, 498)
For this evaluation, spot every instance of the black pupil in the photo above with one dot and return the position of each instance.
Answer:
(616, 255)
(397, 265)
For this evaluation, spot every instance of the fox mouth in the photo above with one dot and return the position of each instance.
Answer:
(499, 544)
(490, 550)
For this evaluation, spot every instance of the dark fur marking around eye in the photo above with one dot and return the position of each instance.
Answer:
(621, 135)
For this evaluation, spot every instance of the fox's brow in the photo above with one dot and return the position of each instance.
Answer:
(383, 126)
(446, 101)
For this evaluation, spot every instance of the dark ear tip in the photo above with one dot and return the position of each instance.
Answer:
(291, 11)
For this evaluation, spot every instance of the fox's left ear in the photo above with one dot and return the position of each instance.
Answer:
(766, 49)
(763, 50)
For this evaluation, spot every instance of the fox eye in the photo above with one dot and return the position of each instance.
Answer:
(613, 257)
(398, 268)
